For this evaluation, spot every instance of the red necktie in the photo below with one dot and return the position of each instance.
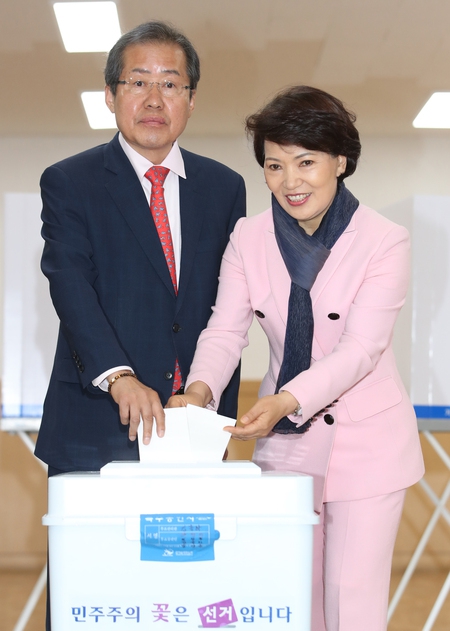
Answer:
(157, 175)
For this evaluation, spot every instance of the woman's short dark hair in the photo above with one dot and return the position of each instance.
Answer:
(310, 118)
(158, 32)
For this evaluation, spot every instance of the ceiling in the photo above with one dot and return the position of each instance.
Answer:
(384, 58)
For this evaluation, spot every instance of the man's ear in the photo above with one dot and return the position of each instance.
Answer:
(109, 98)
(192, 96)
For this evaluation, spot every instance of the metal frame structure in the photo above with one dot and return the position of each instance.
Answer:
(428, 429)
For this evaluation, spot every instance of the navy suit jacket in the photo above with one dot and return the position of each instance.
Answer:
(112, 291)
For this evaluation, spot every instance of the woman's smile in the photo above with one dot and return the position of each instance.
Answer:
(298, 200)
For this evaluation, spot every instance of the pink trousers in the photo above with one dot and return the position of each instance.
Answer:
(353, 548)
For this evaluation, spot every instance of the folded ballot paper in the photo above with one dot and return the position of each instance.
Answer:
(194, 444)
(193, 435)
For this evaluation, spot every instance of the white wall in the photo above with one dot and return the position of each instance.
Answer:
(391, 169)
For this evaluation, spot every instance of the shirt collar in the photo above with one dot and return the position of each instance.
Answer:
(173, 161)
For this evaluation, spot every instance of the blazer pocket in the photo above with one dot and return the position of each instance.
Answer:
(372, 399)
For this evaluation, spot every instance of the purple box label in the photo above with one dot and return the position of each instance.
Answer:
(218, 614)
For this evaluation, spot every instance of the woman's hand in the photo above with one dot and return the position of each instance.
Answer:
(182, 400)
(197, 394)
(263, 416)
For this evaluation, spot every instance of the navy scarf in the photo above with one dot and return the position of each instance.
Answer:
(304, 256)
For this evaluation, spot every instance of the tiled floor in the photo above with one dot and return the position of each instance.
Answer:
(410, 615)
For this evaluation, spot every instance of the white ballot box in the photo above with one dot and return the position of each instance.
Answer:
(180, 547)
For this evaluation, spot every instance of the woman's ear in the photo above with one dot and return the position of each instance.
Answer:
(342, 165)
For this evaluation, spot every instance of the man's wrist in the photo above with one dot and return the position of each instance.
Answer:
(102, 380)
(112, 381)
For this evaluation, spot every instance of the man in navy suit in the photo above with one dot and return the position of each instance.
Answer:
(123, 324)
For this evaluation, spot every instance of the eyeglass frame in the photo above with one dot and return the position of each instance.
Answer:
(150, 85)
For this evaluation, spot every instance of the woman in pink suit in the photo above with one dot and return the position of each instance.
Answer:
(325, 277)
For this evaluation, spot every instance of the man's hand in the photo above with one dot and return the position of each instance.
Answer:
(263, 416)
(137, 401)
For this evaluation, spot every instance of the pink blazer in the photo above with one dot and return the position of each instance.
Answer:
(367, 443)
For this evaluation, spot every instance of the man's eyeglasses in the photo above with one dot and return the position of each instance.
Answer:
(140, 87)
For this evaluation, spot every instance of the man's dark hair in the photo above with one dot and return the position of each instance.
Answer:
(158, 32)
(309, 118)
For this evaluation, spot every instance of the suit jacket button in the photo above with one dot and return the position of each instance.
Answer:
(168, 375)
(176, 327)
(81, 368)
(260, 314)
(334, 316)
(329, 420)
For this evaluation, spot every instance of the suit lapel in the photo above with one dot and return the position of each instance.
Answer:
(327, 273)
(192, 209)
(338, 252)
(279, 280)
(126, 191)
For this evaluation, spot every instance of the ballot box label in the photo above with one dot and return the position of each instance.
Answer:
(224, 613)
(178, 537)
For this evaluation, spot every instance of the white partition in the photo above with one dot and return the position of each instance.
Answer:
(426, 320)
(30, 324)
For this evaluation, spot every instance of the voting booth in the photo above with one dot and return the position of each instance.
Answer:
(193, 546)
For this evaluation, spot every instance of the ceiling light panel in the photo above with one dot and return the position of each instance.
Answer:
(97, 112)
(87, 27)
(435, 114)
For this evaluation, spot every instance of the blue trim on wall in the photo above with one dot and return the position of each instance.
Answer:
(35, 411)
(21, 411)
(432, 411)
